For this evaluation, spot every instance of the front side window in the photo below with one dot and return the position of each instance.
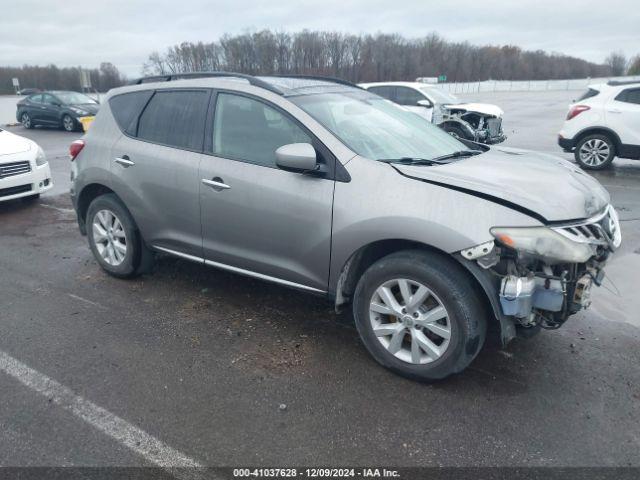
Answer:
(250, 130)
(36, 98)
(49, 99)
(175, 118)
(377, 129)
(408, 96)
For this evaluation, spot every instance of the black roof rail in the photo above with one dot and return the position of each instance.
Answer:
(256, 82)
(615, 83)
(319, 77)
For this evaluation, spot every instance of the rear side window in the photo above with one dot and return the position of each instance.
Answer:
(127, 107)
(588, 94)
(250, 130)
(629, 96)
(384, 91)
(175, 118)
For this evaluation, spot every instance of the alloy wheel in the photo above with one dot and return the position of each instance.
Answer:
(67, 123)
(109, 237)
(410, 321)
(26, 120)
(594, 152)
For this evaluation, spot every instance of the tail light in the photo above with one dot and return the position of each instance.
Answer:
(577, 110)
(75, 148)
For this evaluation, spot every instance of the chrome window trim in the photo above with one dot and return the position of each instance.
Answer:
(241, 271)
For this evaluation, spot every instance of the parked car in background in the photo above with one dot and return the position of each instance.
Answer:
(322, 186)
(602, 124)
(478, 122)
(24, 170)
(29, 91)
(64, 109)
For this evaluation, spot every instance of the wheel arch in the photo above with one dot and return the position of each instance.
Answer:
(501, 328)
(598, 131)
(85, 197)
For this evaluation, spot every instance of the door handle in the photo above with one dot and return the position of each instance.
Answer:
(216, 183)
(612, 110)
(124, 161)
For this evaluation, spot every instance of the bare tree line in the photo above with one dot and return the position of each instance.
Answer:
(52, 77)
(360, 58)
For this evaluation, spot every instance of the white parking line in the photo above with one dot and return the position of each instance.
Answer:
(126, 434)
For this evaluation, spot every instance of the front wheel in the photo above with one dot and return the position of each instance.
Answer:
(419, 315)
(595, 152)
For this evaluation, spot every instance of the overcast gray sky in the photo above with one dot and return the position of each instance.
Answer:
(71, 32)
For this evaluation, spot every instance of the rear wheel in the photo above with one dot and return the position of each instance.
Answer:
(26, 121)
(68, 123)
(595, 152)
(114, 238)
(419, 315)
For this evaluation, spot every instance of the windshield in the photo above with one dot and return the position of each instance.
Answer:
(376, 128)
(74, 98)
(439, 96)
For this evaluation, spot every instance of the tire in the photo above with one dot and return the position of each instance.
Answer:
(595, 152)
(31, 198)
(449, 287)
(68, 123)
(106, 245)
(456, 131)
(26, 121)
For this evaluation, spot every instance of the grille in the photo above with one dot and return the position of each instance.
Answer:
(15, 168)
(603, 229)
(5, 192)
(495, 126)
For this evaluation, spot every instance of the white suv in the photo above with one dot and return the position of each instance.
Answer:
(603, 124)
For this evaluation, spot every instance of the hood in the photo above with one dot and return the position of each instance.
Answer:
(90, 108)
(10, 143)
(483, 108)
(551, 188)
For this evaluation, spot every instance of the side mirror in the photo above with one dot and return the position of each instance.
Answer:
(425, 103)
(298, 157)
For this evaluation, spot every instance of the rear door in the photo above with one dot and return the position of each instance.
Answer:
(623, 116)
(35, 108)
(256, 218)
(155, 165)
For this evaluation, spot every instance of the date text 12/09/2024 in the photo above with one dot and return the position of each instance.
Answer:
(315, 473)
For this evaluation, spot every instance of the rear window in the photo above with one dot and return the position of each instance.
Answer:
(592, 92)
(127, 107)
(175, 118)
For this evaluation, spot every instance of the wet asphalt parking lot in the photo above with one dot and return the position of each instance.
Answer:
(192, 364)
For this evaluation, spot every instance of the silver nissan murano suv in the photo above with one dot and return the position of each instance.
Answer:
(436, 243)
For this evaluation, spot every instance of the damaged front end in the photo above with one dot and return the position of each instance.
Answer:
(482, 125)
(543, 275)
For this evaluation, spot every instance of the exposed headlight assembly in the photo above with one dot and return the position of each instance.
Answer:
(41, 158)
(544, 243)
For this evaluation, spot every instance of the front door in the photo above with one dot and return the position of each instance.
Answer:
(256, 218)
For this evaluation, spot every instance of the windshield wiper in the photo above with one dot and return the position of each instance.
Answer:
(458, 154)
(413, 161)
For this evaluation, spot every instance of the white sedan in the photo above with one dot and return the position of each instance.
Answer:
(24, 170)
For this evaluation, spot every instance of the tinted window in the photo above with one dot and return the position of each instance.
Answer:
(250, 130)
(49, 99)
(408, 96)
(385, 91)
(629, 96)
(127, 107)
(175, 118)
(36, 98)
(588, 94)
